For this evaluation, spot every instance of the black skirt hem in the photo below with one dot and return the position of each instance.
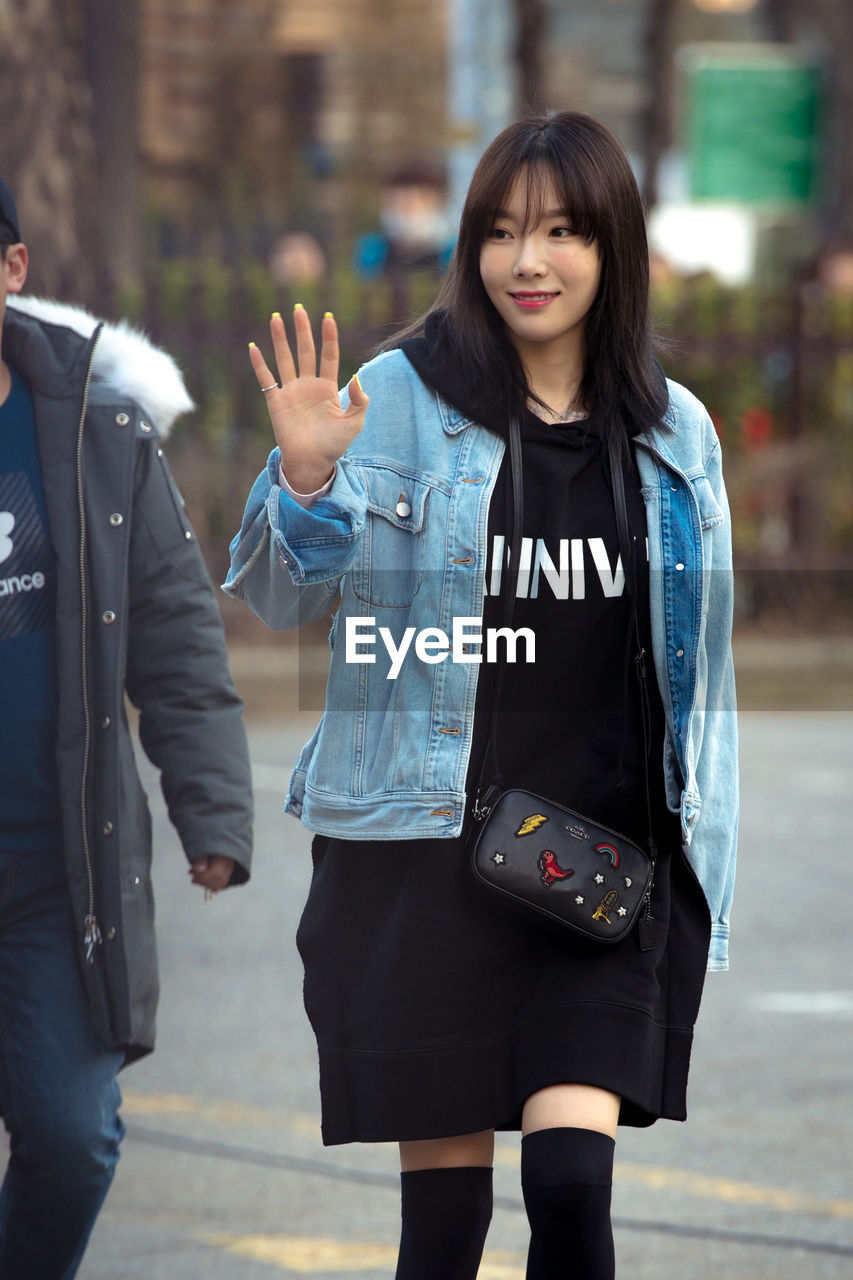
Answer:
(390, 1096)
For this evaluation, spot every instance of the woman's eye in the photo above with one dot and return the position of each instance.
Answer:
(562, 233)
(498, 233)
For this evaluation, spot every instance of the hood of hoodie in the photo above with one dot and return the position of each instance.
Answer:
(438, 364)
(52, 350)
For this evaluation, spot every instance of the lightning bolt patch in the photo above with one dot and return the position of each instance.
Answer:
(531, 823)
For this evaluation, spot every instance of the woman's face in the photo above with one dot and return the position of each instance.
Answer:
(542, 281)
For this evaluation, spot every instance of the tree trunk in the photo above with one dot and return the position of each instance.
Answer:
(48, 156)
(530, 27)
(779, 18)
(111, 44)
(660, 81)
(834, 18)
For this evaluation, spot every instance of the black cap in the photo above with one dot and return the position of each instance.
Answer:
(8, 212)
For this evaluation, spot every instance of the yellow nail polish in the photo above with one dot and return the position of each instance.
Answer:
(252, 344)
(328, 315)
(297, 306)
(276, 315)
(355, 379)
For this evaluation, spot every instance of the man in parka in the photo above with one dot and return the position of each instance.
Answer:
(102, 591)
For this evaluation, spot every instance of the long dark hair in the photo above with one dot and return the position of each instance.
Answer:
(623, 385)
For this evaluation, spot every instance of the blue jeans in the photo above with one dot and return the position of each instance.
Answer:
(58, 1091)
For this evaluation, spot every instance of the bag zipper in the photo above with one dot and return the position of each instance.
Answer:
(574, 813)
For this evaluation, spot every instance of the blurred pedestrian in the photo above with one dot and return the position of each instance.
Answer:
(103, 592)
(440, 1014)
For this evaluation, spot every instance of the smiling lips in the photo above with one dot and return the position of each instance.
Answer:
(530, 301)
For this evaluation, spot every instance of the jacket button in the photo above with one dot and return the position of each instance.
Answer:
(122, 419)
(679, 567)
(403, 507)
(108, 828)
(136, 880)
(188, 536)
(111, 934)
(679, 653)
(674, 488)
(106, 722)
(108, 616)
(116, 519)
(145, 426)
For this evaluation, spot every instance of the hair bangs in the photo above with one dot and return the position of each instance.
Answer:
(535, 157)
(552, 184)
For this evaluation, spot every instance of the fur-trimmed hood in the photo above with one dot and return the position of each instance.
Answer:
(125, 359)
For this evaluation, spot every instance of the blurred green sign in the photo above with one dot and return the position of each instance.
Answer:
(753, 125)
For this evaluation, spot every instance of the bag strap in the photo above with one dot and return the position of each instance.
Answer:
(491, 782)
(488, 792)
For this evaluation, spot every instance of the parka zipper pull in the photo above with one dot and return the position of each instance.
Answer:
(91, 938)
(91, 932)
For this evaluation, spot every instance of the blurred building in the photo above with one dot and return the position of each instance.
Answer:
(279, 93)
(285, 91)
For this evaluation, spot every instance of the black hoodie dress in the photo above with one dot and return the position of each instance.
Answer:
(437, 1009)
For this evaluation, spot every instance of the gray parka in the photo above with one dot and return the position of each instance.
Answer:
(135, 613)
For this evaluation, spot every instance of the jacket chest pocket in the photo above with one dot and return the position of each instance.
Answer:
(163, 507)
(390, 566)
(710, 511)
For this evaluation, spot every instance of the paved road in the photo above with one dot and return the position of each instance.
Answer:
(223, 1174)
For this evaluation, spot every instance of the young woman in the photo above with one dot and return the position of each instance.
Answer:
(440, 1015)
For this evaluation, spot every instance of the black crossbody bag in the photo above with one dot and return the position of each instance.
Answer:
(540, 855)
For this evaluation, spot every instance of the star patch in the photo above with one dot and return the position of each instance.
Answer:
(621, 912)
(599, 878)
(579, 899)
(498, 859)
(627, 882)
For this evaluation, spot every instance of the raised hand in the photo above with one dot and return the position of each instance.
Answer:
(311, 428)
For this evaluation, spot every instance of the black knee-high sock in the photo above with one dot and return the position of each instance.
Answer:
(446, 1214)
(566, 1178)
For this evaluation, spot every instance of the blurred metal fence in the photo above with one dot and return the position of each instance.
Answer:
(773, 366)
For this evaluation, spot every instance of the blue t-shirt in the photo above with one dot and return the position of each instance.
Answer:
(29, 791)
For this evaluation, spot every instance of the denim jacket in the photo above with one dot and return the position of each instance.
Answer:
(402, 534)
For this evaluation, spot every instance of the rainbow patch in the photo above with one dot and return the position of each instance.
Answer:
(613, 854)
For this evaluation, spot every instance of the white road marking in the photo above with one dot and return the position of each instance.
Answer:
(832, 1004)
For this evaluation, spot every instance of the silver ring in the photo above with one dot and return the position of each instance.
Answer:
(272, 387)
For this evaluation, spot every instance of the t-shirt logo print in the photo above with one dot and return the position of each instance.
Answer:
(7, 524)
(27, 570)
